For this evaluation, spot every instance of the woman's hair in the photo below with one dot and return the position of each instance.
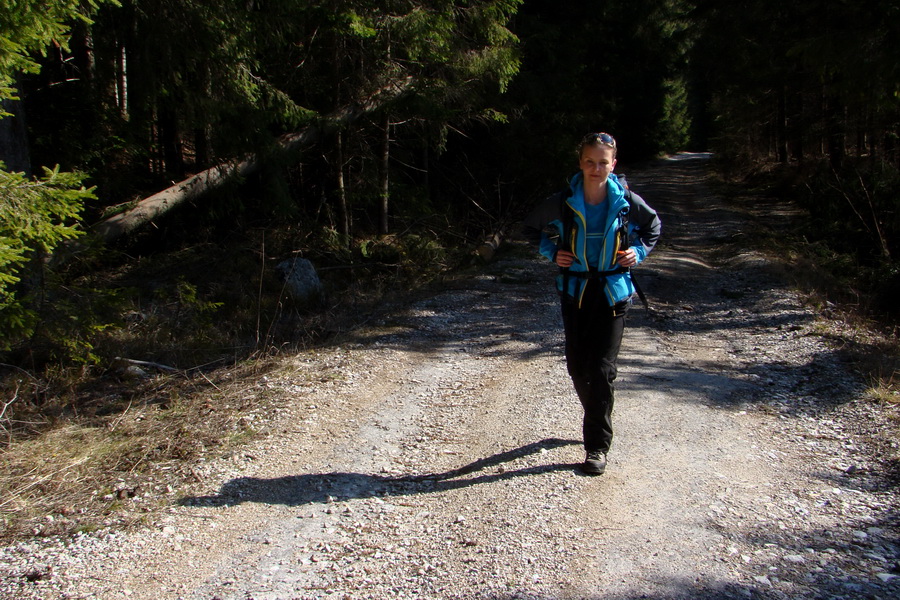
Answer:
(598, 139)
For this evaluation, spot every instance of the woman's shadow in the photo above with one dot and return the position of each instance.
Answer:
(297, 490)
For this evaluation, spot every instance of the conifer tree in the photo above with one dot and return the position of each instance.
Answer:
(35, 215)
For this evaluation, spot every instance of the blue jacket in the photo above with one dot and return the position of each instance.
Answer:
(545, 227)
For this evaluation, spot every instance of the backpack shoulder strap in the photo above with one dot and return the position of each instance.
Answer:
(566, 216)
(624, 216)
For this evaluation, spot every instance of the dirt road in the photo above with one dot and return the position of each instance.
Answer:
(439, 457)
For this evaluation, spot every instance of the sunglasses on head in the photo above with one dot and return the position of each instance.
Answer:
(600, 138)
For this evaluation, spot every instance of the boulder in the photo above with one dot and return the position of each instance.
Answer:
(301, 279)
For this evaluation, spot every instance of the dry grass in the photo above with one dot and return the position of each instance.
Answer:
(86, 471)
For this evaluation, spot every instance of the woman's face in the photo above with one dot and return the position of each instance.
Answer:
(597, 162)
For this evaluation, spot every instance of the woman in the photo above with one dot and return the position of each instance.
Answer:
(588, 231)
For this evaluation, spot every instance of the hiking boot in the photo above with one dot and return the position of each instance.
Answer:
(594, 463)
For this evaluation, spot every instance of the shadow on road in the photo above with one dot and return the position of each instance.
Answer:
(672, 590)
(676, 590)
(318, 488)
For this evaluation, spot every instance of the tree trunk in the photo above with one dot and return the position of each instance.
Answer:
(796, 126)
(781, 127)
(82, 45)
(171, 142)
(14, 151)
(343, 209)
(201, 147)
(158, 204)
(121, 80)
(202, 133)
(426, 171)
(385, 177)
(489, 247)
(105, 50)
(834, 123)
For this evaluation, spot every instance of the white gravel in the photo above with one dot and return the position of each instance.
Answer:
(748, 462)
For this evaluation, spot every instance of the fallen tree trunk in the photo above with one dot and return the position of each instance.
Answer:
(489, 247)
(160, 203)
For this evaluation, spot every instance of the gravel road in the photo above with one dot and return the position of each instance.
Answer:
(442, 461)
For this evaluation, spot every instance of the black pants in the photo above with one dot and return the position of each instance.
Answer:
(593, 338)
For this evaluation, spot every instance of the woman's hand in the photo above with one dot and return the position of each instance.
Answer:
(564, 258)
(626, 258)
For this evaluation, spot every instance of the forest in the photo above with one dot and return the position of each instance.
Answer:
(161, 157)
